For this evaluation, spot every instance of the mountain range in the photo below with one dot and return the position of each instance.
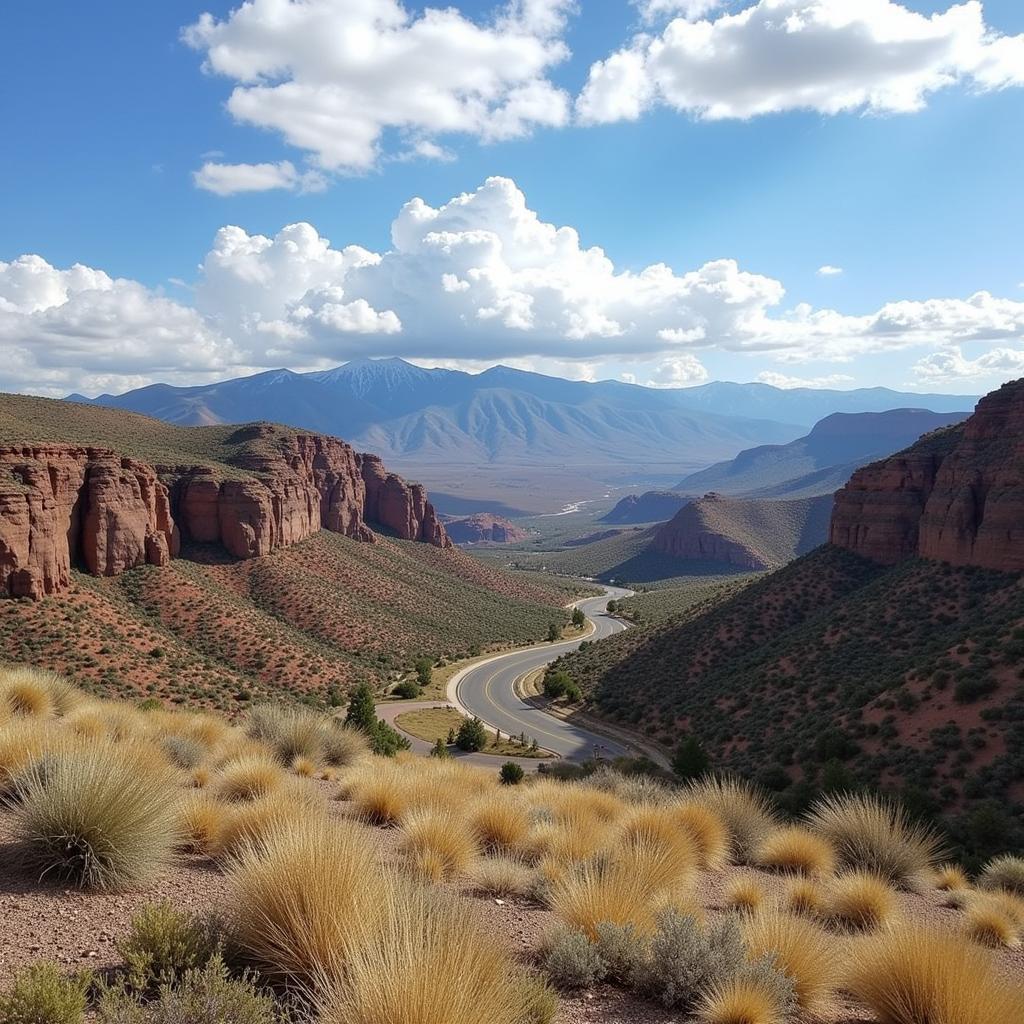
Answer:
(822, 461)
(436, 424)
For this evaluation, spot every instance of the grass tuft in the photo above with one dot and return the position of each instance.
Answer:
(740, 1000)
(439, 845)
(745, 895)
(861, 900)
(872, 834)
(1006, 872)
(745, 810)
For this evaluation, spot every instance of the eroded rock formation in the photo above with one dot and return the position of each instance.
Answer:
(956, 496)
(63, 505)
(484, 528)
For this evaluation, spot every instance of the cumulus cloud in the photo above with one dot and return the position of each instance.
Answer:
(952, 367)
(480, 277)
(782, 380)
(652, 10)
(82, 328)
(332, 76)
(229, 179)
(827, 56)
(829, 271)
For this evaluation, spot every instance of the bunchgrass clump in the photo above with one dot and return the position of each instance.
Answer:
(860, 900)
(439, 845)
(249, 778)
(706, 829)
(429, 962)
(502, 876)
(798, 851)
(745, 810)
(989, 923)
(95, 815)
(742, 999)
(745, 895)
(1006, 872)
(303, 896)
(951, 878)
(912, 974)
(871, 834)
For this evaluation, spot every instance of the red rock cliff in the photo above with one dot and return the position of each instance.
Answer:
(956, 496)
(64, 505)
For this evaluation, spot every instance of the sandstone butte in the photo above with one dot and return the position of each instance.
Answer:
(65, 505)
(484, 527)
(957, 495)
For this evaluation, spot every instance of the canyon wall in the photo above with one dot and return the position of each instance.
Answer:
(64, 505)
(956, 496)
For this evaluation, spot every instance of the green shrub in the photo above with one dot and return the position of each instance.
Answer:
(440, 749)
(511, 774)
(424, 671)
(408, 689)
(203, 996)
(558, 683)
(42, 995)
(571, 960)
(164, 943)
(687, 960)
(690, 760)
(471, 736)
(622, 949)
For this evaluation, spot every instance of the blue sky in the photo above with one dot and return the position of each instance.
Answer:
(107, 114)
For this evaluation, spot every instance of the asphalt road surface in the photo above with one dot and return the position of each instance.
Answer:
(488, 691)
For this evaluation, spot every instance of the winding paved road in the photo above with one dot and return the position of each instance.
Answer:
(487, 690)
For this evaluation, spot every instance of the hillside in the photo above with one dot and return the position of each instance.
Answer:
(747, 533)
(822, 461)
(892, 669)
(237, 562)
(649, 507)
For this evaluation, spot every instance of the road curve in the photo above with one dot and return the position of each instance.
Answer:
(487, 690)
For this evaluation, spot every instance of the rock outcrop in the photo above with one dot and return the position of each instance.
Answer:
(956, 496)
(64, 505)
(649, 507)
(484, 528)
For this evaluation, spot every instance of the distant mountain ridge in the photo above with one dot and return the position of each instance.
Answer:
(822, 461)
(649, 507)
(507, 416)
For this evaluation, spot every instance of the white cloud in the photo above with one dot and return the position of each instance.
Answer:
(230, 179)
(82, 328)
(952, 367)
(332, 76)
(679, 372)
(782, 380)
(480, 277)
(827, 56)
(652, 10)
(829, 271)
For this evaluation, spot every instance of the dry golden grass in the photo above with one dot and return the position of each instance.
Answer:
(707, 830)
(201, 818)
(27, 695)
(500, 822)
(804, 896)
(991, 924)
(429, 963)
(747, 813)
(803, 951)
(379, 799)
(22, 741)
(571, 839)
(304, 767)
(502, 876)
(796, 850)
(951, 877)
(872, 834)
(303, 897)
(249, 778)
(249, 823)
(745, 895)
(650, 843)
(97, 815)
(740, 1001)
(912, 974)
(438, 845)
(860, 899)
(1006, 872)
(88, 721)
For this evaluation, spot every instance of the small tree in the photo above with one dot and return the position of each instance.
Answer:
(578, 618)
(613, 606)
(558, 683)
(408, 689)
(690, 760)
(511, 774)
(471, 736)
(440, 749)
(554, 633)
(424, 671)
(362, 714)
